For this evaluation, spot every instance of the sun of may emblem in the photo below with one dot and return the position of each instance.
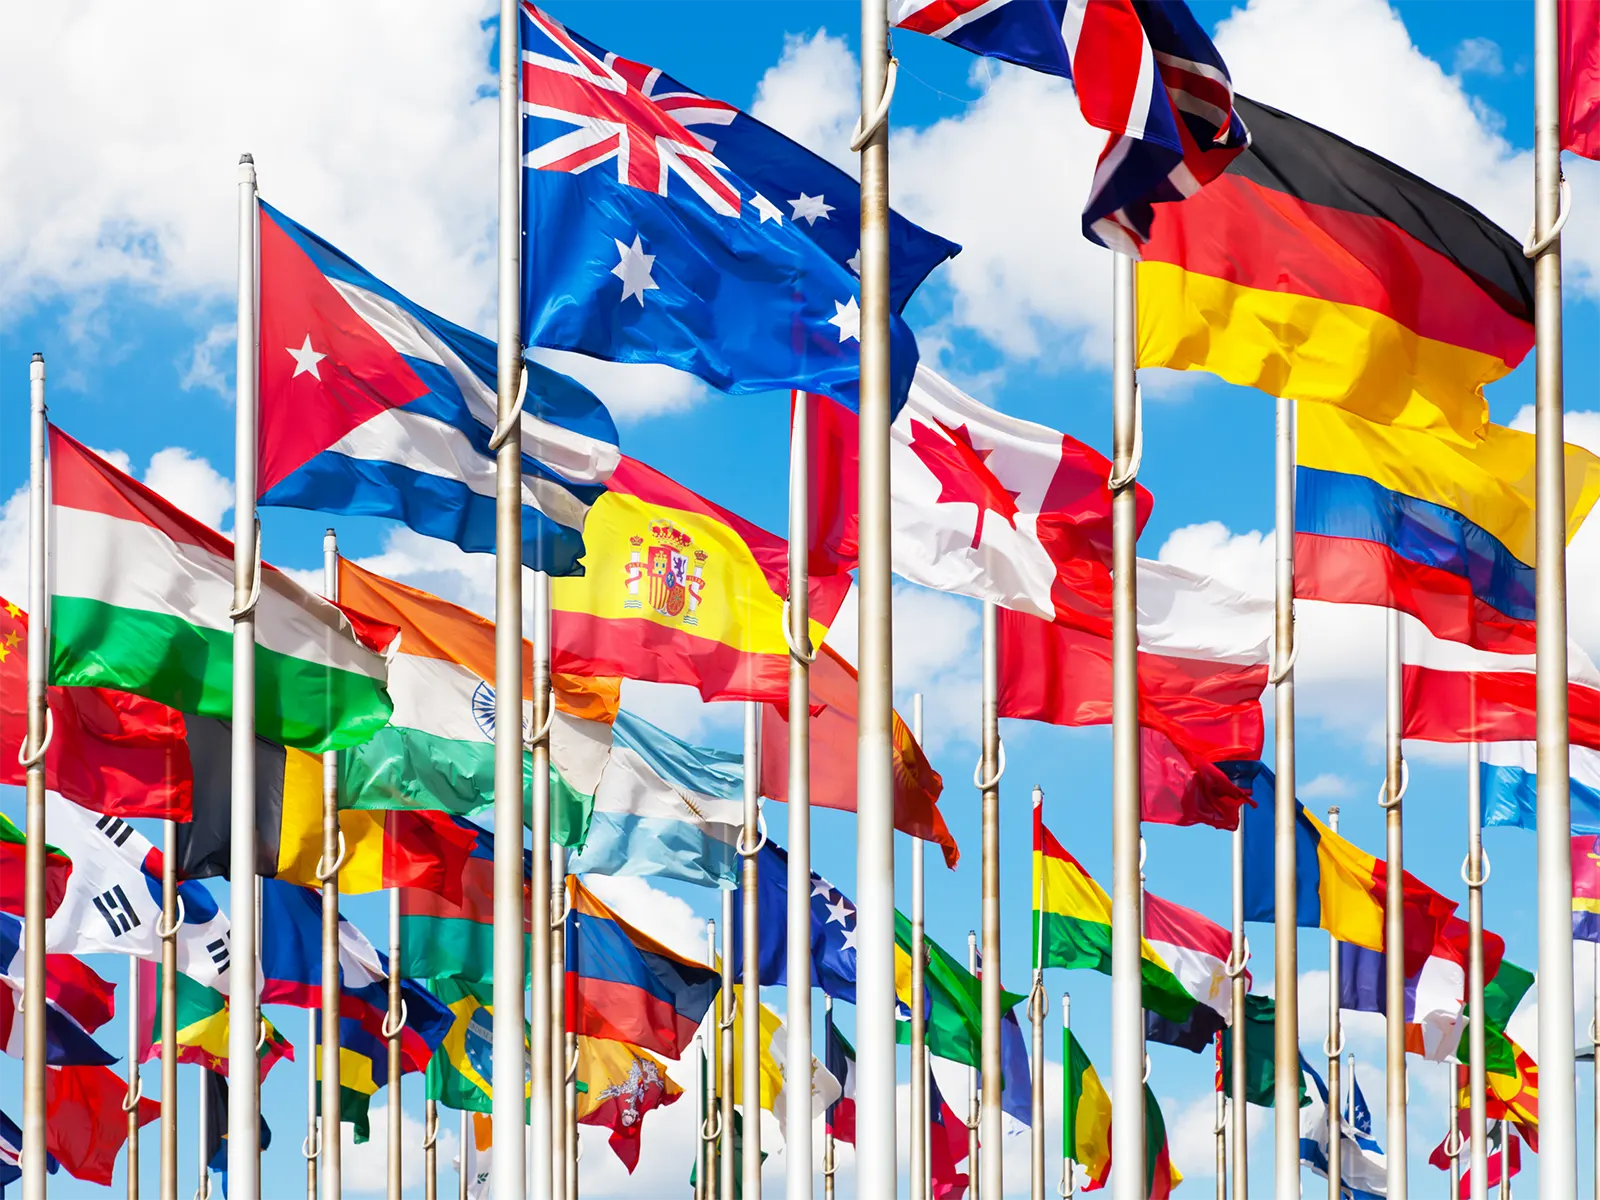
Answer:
(666, 571)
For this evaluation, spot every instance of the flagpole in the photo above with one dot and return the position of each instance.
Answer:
(328, 874)
(974, 1101)
(988, 780)
(1238, 1068)
(876, 1173)
(1222, 1129)
(1558, 1117)
(797, 1100)
(511, 1167)
(750, 956)
(1452, 1137)
(393, 1025)
(559, 1166)
(203, 1190)
(1286, 1025)
(1069, 1182)
(461, 1156)
(171, 921)
(1334, 1047)
(705, 1179)
(130, 1103)
(1394, 919)
(244, 1098)
(726, 1168)
(1477, 1076)
(430, 1150)
(1508, 1134)
(1038, 1008)
(309, 1148)
(1127, 1020)
(920, 1183)
(33, 982)
(828, 1164)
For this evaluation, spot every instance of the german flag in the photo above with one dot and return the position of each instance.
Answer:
(1316, 270)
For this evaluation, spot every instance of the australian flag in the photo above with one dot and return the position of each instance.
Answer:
(663, 226)
(1144, 71)
(833, 927)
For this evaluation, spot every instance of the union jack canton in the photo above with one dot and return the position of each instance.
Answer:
(1144, 71)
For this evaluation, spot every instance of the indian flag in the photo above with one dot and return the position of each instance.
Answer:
(140, 603)
(438, 751)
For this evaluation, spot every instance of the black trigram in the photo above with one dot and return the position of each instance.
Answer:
(119, 914)
(218, 950)
(115, 828)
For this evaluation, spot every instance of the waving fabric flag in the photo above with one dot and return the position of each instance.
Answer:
(203, 1015)
(1315, 270)
(1143, 70)
(1398, 518)
(142, 606)
(70, 984)
(621, 1083)
(1508, 773)
(461, 1072)
(1260, 1069)
(840, 1118)
(642, 245)
(1578, 69)
(680, 590)
(13, 867)
(1363, 1171)
(833, 927)
(439, 937)
(947, 1145)
(1197, 949)
(85, 1125)
(66, 1042)
(11, 1154)
(1586, 888)
(372, 405)
(1086, 1123)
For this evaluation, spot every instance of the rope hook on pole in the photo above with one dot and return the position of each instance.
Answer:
(29, 761)
(1384, 802)
(162, 931)
(982, 784)
(249, 606)
(503, 430)
(804, 657)
(326, 873)
(1117, 482)
(874, 121)
(1533, 249)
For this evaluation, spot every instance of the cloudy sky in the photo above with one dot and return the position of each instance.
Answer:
(374, 125)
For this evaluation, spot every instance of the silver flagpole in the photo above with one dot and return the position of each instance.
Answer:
(1334, 1048)
(1286, 1041)
(876, 1148)
(328, 873)
(705, 1183)
(510, 1166)
(557, 968)
(726, 1167)
(1038, 1008)
(203, 1190)
(1507, 1133)
(130, 1103)
(393, 1024)
(829, 1166)
(1594, 1050)
(1477, 1077)
(1069, 1182)
(974, 1100)
(430, 1150)
(1558, 1089)
(988, 781)
(461, 1156)
(308, 1148)
(797, 1022)
(750, 956)
(171, 920)
(920, 1186)
(33, 981)
(1452, 1137)
(244, 1097)
(1221, 1130)
(1127, 1018)
(1238, 1071)
(1394, 920)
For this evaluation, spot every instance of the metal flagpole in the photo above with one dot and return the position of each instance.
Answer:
(1069, 1182)
(710, 1118)
(328, 866)
(876, 1168)
(1221, 1128)
(1286, 1041)
(797, 630)
(974, 1099)
(1238, 1074)
(394, 1022)
(461, 1157)
(829, 1166)
(1452, 1137)
(510, 1167)
(1127, 1019)
(171, 921)
(920, 1187)
(726, 1167)
(244, 1098)
(308, 1148)
(203, 1190)
(130, 1102)
(1508, 1134)
(987, 778)
(1334, 1048)
(1038, 1008)
(1558, 1090)
(430, 1150)
(1394, 920)
(559, 1166)
(750, 956)
(1473, 872)
(1594, 1044)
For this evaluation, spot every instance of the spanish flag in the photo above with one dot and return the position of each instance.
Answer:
(677, 589)
(1315, 270)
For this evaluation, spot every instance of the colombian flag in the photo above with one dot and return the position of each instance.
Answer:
(1444, 531)
(679, 590)
(1315, 270)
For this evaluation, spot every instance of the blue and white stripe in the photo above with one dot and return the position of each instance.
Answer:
(1508, 774)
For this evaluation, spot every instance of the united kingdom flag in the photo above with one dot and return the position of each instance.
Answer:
(1144, 71)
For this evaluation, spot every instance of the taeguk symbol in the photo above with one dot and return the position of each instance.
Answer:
(483, 711)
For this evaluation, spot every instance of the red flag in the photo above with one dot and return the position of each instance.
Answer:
(947, 1145)
(14, 867)
(1578, 31)
(109, 751)
(84, 1122)
(833, 757)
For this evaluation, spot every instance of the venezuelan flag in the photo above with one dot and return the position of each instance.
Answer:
(626, 986)
(679, 590)
(1431, 526)
(1586, 888)
(1316, 270)
(1086, 1129)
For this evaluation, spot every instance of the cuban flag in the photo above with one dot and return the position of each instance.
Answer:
(644, 244)
(372, 405)
(1144, 71)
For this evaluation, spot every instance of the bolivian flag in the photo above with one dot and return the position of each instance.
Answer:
(1315, 270)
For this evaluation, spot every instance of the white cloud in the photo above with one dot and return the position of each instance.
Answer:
(1326, 787)
(191, 483)
(812, 94)
(663, 916)
(1479, 54)
(14, 547)
(364, 1168)
(631, 391)
(210, 363)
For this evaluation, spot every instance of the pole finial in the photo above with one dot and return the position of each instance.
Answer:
(38, 357)
(247, 158)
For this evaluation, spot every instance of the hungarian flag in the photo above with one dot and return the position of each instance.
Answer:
(619, 1084)
(142, 603)
(13, 870)
(841, 1115)
(110, 751)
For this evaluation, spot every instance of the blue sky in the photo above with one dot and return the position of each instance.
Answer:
(374, 128)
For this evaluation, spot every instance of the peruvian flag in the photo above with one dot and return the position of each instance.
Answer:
(841, 1116)
(983, 504)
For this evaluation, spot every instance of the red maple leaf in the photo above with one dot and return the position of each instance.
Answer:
(963, 474)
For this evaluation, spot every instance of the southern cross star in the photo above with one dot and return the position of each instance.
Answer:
(847, 317)
(633, 268)
(767, 209)
(809, 208)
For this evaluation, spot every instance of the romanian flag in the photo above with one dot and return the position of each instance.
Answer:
(1398, 518)
(624, 985)
(1072, 926)
(203, 1026)
(679, 590)
(1086, 1127)
(1586, 888)
(13, 869)
(621, 1084)
(1315, 270)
